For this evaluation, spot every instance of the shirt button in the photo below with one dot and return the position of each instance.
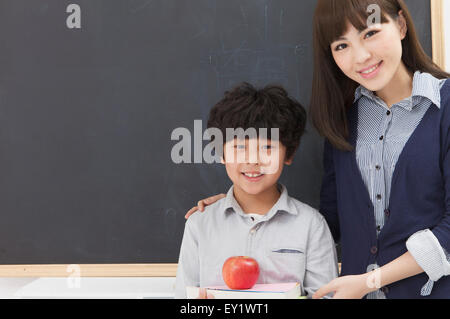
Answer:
(379, 228)
(379, 197)
(381, 137)
(378, 167)
(374, 250)
(252, 218)
(388, 113)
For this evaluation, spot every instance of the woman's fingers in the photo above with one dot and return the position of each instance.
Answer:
(203, 203)
(190, 212)
(202, 294)
(213, 199)
(208, 201)
(325, 290)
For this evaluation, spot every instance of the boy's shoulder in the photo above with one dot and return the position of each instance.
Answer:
(304, 211)
(211, 212)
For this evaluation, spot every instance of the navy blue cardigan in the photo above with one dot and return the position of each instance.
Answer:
(419, 199)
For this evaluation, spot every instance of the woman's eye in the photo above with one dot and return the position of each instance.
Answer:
(267, 147)
(370, 34)
(341, 46)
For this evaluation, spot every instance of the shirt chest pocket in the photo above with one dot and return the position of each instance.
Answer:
(288, 262)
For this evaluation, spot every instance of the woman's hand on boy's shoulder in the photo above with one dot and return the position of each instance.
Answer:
(203, 203)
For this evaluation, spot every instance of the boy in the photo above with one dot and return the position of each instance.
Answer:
(290, 240)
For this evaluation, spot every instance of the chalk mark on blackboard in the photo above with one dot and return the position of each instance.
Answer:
(141, 6)
(260, 65)
(265, 63)
(198, 34)
(234, 53)
(243, 13)
(265, 23)
(300, 49)
(281, 18)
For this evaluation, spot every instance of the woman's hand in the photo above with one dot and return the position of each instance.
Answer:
(347, 287)
(203, 294)
(204, 202)
(358, 286)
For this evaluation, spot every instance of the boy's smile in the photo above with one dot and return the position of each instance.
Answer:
(253, 176)
(254, 166)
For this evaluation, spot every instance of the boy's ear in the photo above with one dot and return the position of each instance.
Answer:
(289, 161)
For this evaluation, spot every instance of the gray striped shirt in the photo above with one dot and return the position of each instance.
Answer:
(292, 243)
(382, 135)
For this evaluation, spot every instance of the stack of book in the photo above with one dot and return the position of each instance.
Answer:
(259, 291)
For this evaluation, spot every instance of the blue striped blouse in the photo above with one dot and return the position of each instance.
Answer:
(393, 126)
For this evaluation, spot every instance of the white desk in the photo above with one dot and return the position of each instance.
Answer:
(88, 287)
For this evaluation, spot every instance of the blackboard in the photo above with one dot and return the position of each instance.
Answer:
(86, 116)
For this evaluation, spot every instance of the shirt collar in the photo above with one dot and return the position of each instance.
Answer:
(424, 86)
(283, 204)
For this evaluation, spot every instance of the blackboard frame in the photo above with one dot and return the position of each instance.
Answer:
(169, 270)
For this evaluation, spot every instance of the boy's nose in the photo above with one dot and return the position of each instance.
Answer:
(252, 157)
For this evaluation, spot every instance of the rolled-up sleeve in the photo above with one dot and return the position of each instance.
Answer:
(429, 254)
(430, 247)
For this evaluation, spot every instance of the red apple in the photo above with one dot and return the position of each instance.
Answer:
(240, 272)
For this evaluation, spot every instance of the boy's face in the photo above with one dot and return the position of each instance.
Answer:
(254, 165)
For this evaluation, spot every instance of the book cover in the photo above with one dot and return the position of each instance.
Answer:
(259, 291)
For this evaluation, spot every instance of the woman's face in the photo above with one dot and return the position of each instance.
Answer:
(371, 57)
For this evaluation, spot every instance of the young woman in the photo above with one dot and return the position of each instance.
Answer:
(384, 109)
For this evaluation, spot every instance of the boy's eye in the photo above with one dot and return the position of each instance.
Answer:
(341, 46)
(240, 147)
(267, 147)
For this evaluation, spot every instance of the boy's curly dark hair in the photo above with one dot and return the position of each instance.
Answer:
(271, 107)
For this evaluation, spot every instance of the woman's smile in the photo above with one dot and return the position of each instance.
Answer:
(371, 71)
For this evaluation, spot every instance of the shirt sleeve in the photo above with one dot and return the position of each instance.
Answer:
(188, 271)
(328, 193)
(321, 257)
(430, 247)
(442, 230)
(429, 254)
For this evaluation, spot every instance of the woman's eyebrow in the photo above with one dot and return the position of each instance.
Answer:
(339, 39)
(342, 38)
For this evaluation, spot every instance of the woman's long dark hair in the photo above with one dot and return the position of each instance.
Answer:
(332, 91)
